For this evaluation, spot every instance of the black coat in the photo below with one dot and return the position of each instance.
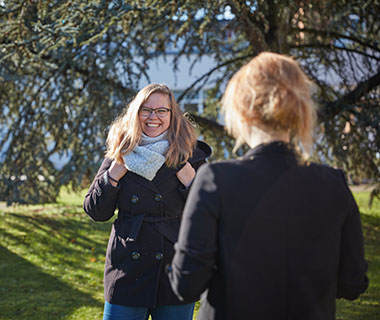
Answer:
(270, 238)
(143, 235)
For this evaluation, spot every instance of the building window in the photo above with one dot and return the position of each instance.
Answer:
(192, 102)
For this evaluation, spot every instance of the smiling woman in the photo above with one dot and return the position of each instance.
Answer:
(154, 114)
(152, 155)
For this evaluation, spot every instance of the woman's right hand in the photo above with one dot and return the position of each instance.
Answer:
(116, 171)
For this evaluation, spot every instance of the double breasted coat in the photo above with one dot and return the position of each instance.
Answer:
(270, 238)
(142, 237)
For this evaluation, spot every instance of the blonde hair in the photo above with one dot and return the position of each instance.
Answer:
(125, 132)
(270, 92)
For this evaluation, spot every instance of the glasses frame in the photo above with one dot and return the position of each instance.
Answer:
(154, 110)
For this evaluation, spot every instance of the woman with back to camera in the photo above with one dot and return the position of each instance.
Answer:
(152, 154)
(269, 235)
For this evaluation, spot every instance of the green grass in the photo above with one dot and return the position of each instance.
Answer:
(51, 262)
(367, 307)
(52, 259)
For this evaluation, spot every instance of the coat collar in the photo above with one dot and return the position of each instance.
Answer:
(271, 148)
(201, 152)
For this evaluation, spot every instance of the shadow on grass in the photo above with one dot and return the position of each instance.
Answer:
(29, 293)
(51, 265)
(62, 240)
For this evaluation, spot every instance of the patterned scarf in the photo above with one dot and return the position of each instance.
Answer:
(148, 157)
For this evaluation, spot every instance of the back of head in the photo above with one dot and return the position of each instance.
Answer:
(271, 93)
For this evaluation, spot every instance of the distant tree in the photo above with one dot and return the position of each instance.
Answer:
(67, 68)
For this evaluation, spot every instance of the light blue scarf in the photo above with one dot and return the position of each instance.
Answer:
(148, 157)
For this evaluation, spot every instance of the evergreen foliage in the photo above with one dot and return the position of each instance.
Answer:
(67, 68)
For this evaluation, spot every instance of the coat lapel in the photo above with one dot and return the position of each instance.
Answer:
(201, 152)
(141, 180)
(164, 174)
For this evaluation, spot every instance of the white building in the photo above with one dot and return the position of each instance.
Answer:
(161, 70)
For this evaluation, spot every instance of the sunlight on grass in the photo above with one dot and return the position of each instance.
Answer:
(52, 260)
(362, 201)
(367, 307)
(68, 197)
(58, 251)
(92, 313)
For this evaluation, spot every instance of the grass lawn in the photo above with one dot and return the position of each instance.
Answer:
(52, 258)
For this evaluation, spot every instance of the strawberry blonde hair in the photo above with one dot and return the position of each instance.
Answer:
(125, 132)
(271, 92)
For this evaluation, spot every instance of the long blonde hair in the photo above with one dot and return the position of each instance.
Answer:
(271, 92)
(125, 132)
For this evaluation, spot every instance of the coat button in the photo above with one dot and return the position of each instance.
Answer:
(158, 256)
(157, 197)
(134, 199)
(135, 255)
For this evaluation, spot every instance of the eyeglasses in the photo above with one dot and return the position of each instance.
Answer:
(160, 112)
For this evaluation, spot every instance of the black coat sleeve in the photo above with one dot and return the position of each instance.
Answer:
(194, 261)
(352, 279)
(100, 200)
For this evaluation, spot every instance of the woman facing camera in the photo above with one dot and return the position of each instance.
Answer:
(151, 159)
(269, 235)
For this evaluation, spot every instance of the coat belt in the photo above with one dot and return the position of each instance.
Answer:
(129, 226)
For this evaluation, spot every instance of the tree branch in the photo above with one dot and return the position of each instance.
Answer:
(210, 124)
(338, 35)
(333, 47)
(253, 30)
(208, 74)
(353, 96)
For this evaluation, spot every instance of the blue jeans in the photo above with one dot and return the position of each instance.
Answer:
(116, 312)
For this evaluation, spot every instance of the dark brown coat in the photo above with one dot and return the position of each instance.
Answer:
(142, 237)
(270, 238)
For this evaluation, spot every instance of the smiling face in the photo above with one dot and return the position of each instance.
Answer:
(152, 125)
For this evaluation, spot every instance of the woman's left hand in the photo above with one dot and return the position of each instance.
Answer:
(186, 174)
